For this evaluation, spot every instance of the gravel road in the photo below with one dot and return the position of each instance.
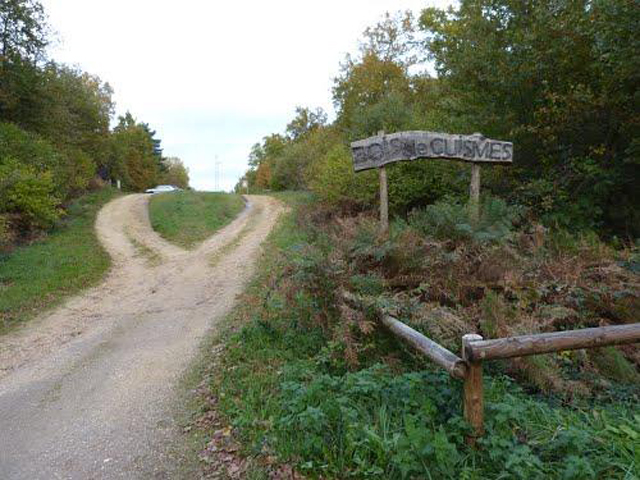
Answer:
(87, 391)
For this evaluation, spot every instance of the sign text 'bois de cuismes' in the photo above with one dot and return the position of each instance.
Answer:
(377, 151)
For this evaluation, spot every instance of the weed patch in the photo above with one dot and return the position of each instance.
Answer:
(188, 218)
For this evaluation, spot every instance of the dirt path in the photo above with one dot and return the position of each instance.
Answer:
(86, 391)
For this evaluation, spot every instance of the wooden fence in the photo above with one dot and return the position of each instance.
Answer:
(475, 350)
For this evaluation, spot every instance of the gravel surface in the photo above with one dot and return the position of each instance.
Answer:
(87, 391)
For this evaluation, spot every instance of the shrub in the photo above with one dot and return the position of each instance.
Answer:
(415, 184)
(70, 170)
(335, 182)
(27, 148)
(450, 220)
(6, 235)
(73, 174)
(28, 193)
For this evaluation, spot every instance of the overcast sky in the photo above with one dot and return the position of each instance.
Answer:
(214, 77)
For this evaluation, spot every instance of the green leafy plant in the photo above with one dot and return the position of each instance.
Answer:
(450, 220)
(29, 194)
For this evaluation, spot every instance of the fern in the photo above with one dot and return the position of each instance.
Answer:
(450, 220)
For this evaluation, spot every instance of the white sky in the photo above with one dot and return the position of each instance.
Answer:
(211, 77)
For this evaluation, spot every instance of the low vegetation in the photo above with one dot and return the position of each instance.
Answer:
(35, 277)
(305, 383)
(187, 218)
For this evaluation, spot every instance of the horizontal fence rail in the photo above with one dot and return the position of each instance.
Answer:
(525, 345)
(475, 350)
(430, 349)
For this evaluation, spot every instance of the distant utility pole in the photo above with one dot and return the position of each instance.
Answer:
(218, 171)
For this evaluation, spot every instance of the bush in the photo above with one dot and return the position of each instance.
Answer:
(70, 171)
(72, 176)
(450, 220)
(28, 148)
(415, 184)
(335, 182)
(6, 235)
(29, 194)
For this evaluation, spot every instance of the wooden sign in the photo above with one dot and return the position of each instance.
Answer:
(375, 152)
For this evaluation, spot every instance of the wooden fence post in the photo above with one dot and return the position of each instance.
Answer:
(473, 392)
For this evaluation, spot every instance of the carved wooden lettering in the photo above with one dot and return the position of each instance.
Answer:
(374, 152)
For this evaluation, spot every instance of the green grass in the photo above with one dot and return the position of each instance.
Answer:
(282, 383)
(188, 218)
(36, 277)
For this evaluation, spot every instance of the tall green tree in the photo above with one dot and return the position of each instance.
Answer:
(23, 38)
(305, 122)
(133, 155)
(559, 78)
(24, 32)
(76, 110)
(364, 84)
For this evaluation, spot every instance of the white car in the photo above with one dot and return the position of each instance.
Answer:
(162, 189)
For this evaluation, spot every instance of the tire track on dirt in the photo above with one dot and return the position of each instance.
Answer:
(86, 391)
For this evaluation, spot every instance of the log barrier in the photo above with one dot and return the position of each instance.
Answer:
(476, 350)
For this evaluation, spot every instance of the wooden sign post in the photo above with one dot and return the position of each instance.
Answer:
(378, 151)
(384, 202)
(474, 193)
(384, 199)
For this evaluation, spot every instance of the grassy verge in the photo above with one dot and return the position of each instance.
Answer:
(188, 218)
(284, 391)
(38, 276)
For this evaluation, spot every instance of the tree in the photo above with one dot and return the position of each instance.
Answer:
(175, 173)
(23, 30)
(305, 121)
(560, 79)
(290, 169)
(391, 113)
(262, 158)
(263, 176)
(335, 182)
(271, 147)
(133, 156)
(364, 84)
(394, 39)
(75, 111)
(23, 39)
(157, 149)
(28, 200)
